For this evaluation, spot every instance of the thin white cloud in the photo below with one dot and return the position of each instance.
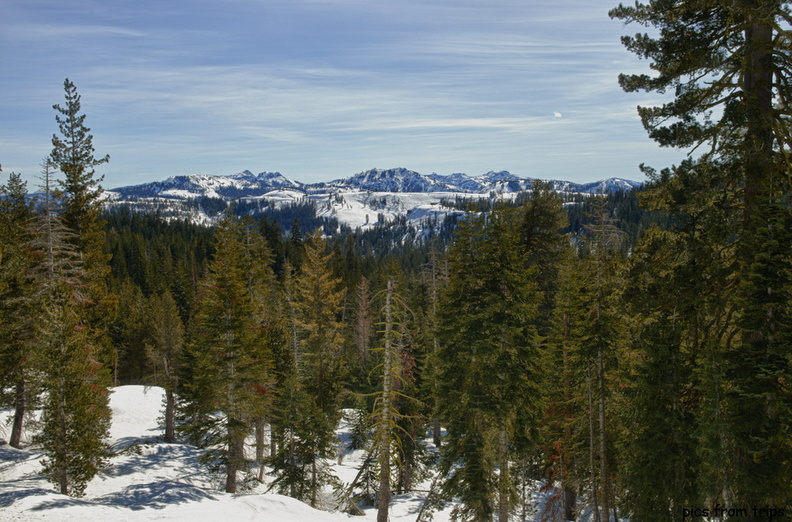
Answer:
(49, 31)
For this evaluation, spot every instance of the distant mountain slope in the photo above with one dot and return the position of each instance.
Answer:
(368, 199)
(242, 185)
(397, 180)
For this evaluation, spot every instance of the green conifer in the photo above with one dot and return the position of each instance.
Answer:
(16, 221)
(73, 154)
(727, 65)
(230, 356)
(488, 386)
(75, 413)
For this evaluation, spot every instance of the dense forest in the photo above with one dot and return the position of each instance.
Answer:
(631, 350)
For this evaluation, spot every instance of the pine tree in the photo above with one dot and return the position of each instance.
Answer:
(322, 368)
(290, 401)
(435, 275)
(662, 398)
(488, 395)
(230, 356)
(75, 413)
(682, 325)
(601, 346)
(73, 154)
(16, 215)
(395, 420)
(562, 432)
(731, 59)
(385, 410)
(164, 353)
(131, 333)
(364, 328)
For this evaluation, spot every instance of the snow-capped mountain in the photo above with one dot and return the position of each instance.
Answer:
(242, 185)
(365, 199)
(248, 185)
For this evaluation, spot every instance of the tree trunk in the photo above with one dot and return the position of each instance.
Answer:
(436, 431)
(19, 414)
(503, 476)
(592, 467)
(570, 498)
(236, 448)
(274, 441)
(260, 445)
(569, 494)
(170, 414)
(604, 482)
(383, 494)
(63, 473)
(314, 482)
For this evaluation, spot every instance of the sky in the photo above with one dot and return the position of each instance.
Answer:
(324, 89)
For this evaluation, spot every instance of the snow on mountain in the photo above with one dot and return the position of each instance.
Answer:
(247, 185)
(391, 180)
(362, 200)
(609, 185)
(243, 184)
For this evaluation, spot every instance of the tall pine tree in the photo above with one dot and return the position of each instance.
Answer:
(308, 401)
(75, 413)
(728, 65)
(488, 396)
(231, 359)
(73, 154)
(16, 222)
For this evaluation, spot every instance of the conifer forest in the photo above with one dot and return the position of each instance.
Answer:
(630, 352)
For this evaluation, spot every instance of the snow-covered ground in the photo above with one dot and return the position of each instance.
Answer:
(150, 480)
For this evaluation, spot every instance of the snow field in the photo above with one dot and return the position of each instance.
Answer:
(150, 480)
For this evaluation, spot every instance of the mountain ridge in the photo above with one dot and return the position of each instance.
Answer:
(245, 184)
(368, 199)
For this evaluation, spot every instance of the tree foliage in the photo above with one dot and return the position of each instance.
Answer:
(728, 67)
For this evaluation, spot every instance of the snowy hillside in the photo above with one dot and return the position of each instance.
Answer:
(150, 480)
(362, 200)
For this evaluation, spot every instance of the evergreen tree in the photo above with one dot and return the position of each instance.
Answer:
(435, 275)
(164, 353)
(731, 59)
(364, 328)
(16, 215)
(307, 409)
(488, 395)
(600, 348)
(75, 413)
(385, 411)
(322, 368)
(563, 433)
(289, 399)
(396, 420)
(230, 356)
(682, 326)
(662, 397)
(73, 154)
(130, 333)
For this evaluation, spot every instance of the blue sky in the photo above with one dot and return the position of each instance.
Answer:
(324, 89)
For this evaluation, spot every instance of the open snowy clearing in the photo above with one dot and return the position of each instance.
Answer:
(150, 480)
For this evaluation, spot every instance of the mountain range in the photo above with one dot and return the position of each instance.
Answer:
(400, 180)
(365, 199)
